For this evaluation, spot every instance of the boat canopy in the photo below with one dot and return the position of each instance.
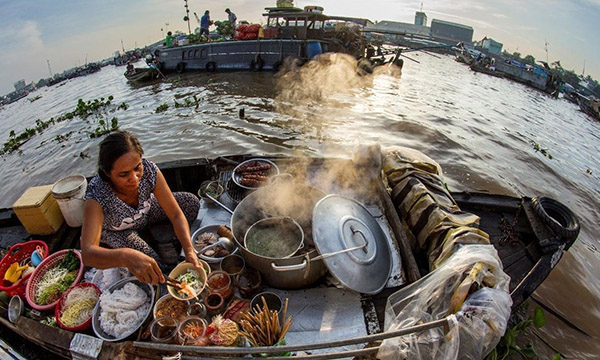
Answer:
(304, 23)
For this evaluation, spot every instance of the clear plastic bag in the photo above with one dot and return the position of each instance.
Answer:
(473, 330)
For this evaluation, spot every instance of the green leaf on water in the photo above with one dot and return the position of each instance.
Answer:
(539, 319)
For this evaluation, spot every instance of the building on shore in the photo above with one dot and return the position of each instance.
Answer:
(451, 33)
(400, 28)
(420, 18)
(489, 45)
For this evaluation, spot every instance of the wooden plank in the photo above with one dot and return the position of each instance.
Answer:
(56, 340)
(408, 259)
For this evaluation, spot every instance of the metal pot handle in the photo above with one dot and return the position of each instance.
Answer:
(295, 267)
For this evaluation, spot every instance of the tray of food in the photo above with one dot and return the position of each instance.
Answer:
(254, 173)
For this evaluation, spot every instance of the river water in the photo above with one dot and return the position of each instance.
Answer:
(484, 132)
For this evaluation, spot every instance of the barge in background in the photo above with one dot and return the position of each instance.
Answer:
(289, 33)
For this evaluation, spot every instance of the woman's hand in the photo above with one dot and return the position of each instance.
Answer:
(144, 267)
(192, 258)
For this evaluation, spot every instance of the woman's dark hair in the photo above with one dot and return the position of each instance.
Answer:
(113, 147)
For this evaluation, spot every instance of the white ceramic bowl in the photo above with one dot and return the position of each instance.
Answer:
(180, 269)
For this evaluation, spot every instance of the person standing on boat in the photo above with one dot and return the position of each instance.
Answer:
(231, 17)
(128, 193)
(205, 23)
(169, 39)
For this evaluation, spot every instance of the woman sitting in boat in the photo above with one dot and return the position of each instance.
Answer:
(128, 193)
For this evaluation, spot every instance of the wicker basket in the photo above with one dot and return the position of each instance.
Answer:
(59, 308)
(48, 263)
(18, 253)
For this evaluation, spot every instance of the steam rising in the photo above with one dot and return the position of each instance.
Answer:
(330, 79)
(295, 196)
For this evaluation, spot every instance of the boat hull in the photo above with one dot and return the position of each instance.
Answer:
(262, 54)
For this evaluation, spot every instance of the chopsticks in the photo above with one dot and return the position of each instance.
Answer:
(172, 282)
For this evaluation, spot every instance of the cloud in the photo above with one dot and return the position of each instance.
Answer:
(31, 35)
(500, 16)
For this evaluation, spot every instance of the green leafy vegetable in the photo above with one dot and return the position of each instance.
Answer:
(70, 261)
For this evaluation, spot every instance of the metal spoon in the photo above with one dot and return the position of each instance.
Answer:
(223, 242)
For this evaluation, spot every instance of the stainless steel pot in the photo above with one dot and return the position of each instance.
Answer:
(282, 198)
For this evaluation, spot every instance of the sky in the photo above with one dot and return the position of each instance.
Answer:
(66, 33)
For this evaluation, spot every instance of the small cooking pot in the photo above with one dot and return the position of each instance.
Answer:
(289, 198)
(275, 237)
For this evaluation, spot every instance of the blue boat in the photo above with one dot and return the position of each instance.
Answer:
(289, 33)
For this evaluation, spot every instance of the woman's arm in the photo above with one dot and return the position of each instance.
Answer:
(169, 205)
(139, 264)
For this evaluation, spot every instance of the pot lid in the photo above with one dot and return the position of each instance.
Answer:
(341, 224)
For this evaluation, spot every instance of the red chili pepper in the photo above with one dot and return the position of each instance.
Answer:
(209, 330)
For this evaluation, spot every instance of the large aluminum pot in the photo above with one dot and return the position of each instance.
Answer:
(282, 198)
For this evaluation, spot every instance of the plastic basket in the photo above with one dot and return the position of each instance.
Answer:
(18, 253)
(48, 263)
(59, 308)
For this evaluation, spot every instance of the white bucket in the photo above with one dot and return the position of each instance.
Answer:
(69, 193)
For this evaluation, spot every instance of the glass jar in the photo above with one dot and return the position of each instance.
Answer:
(197, 309)
(192, 330)
(249, 282)
(164, 330)
(220, 282)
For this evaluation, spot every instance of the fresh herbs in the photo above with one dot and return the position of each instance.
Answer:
(70, 261)
(53, 284)
(57, 280)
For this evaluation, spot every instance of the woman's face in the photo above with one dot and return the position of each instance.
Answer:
(127, 172)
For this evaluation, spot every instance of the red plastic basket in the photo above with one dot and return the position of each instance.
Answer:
(48, 263)
(59, 308)
(18, 253)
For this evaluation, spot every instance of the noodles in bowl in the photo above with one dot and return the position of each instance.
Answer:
(76, 306)
(122, 309)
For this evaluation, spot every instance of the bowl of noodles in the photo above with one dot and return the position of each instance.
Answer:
(76, 306)
(52, 277)
(192, 280)
(122, 309)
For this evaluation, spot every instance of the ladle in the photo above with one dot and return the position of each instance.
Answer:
(222, 242)
(219, 203)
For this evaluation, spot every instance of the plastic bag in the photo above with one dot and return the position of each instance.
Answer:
(473, 331)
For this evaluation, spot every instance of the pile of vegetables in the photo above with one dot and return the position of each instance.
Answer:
(247, 32)
(196, 38)
(225, 28)
(57, 280)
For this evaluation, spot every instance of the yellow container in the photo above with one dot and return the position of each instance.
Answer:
(38, 211)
